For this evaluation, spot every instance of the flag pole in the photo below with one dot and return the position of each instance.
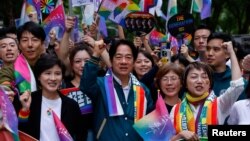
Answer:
(70, 8)
(71, 14)
(191, 8)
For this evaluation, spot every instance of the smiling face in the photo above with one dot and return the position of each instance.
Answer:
(197, 82)
(9, 50)
(79, 61)
(142, 65)
(170, 84)
(122, 62)
(31, 46)
(51, 79)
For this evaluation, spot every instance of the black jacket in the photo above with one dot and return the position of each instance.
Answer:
(70, 117)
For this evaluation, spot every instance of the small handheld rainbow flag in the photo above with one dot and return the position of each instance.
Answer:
(157, 125)
(157, 37)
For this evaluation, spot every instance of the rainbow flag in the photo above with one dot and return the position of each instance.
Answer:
(116, 10)
(157, 37)
(157, 125)
(61, 130)
(9, 117)
(106, 8)
(147, 4)
(172, 8)
(132, 6)
(203, 7)
(55, 19)
(22, 74)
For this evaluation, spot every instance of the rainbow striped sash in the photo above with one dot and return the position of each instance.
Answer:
(184, 118)
(114, 105)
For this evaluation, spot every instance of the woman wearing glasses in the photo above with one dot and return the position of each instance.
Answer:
(168, 81)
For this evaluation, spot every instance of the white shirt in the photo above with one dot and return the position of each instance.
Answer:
(225, 101)
(125, 89)
(240, 113)
(48, 130)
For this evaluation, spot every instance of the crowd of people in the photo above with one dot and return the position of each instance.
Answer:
(120, 81)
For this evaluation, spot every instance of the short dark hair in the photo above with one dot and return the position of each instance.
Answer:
(4, 37)
(220, 35)
(33, 28)
(115, 45)
(199, 27)
(79, 47)
(147, 55)
(199, 66)
(202, 26)
(45, 62)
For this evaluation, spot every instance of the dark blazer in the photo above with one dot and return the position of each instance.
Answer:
(70, 117)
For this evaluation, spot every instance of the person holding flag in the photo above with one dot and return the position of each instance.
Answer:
(47, 114)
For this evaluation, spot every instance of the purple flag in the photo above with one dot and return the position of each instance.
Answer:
(103, 27)
(9, 116)
(206, 9)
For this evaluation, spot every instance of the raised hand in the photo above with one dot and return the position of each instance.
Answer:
(25, 100)
(99, 47)
(69, 23)
(228, 46)
(89, 40)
